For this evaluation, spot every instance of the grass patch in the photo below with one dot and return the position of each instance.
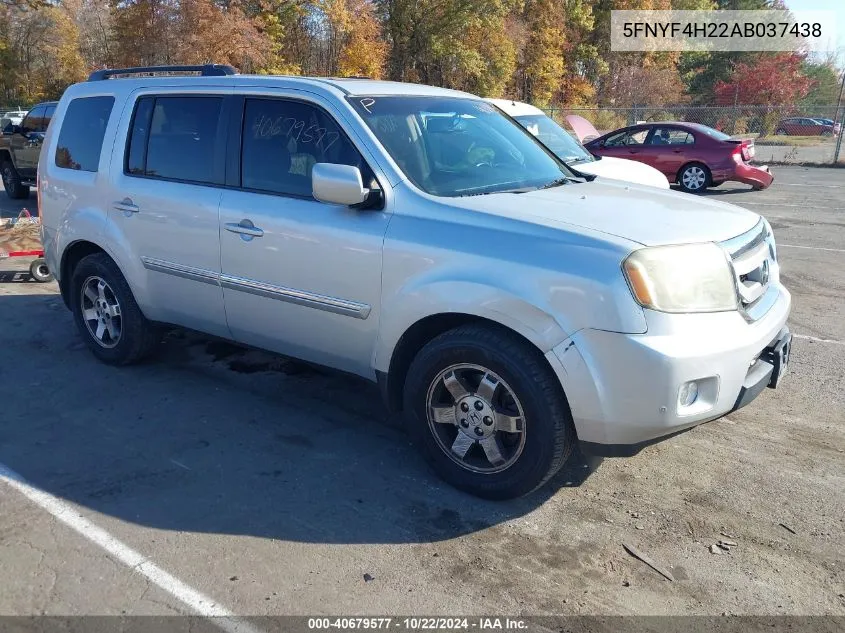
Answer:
(795, 141)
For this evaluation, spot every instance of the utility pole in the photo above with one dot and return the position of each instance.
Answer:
(841, 118)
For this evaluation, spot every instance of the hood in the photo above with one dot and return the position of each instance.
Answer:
(622, 169)
(583, 129)
(637, 213)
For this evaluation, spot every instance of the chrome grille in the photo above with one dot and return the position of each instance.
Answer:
(753, 262)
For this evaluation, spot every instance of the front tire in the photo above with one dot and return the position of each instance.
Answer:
(781, 132)
(15, 189)
(107, 315)
(488, 412)
(694, 178)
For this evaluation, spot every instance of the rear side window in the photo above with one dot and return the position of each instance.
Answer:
(671, 136)
(175, 138)
(81, 137)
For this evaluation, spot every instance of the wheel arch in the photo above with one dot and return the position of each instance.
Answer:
(694, 162)
(71, 256)
(391, 380)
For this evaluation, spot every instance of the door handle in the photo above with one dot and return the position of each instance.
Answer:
(245, 228)
(126, 205)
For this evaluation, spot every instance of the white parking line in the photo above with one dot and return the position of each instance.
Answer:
(802, 184)
(780, 204)
(135, 561)
(814, 248)
(818, 340)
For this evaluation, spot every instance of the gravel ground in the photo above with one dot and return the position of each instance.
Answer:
(273, 487)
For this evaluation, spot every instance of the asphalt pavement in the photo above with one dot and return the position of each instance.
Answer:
(216, 480)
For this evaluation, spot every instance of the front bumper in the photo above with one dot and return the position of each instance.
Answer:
(624, 390)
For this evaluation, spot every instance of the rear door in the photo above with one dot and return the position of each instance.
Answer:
(667, 149)
(167, 183)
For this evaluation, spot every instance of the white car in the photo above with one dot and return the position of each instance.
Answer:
(573, 153)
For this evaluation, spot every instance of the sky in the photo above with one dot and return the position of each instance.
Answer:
(837, 6)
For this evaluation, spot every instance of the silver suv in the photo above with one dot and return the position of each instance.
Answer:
(420, 238)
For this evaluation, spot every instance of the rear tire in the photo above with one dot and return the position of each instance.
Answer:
(510, 417)
(694, 178)
(15, 189)
(781, 132)
(107, 315)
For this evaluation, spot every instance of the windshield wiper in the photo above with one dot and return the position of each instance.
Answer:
(557, 182)
(487, 193)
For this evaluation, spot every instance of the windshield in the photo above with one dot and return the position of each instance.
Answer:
(550, 134)
(457, 147)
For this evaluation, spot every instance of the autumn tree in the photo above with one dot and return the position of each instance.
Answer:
(39, 56)
(771, 79)
(453, 43)
(542, 64)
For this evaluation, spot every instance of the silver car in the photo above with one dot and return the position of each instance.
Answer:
(417, 237)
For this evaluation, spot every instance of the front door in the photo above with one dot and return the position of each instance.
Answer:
(26, 144)
(627, 144)
(165, 198)
(299, 277)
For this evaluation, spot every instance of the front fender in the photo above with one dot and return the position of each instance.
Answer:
(404, 309)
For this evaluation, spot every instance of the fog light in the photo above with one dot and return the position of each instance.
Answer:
(688, 394)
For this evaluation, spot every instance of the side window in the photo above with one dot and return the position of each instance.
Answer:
(175, 138)
(48, 116)
(33, 119)
(283, 140)
(81, 137)
(615, 140)
(136, 155)
(671, 136)
(634, 137)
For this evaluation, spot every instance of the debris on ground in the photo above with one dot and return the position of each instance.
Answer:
(368, 578)
(715, 550)
(633, 551)
(787, 528)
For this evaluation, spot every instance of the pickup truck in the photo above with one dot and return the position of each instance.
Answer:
(20, 147)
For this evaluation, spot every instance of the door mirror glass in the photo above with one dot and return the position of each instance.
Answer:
(338, 184)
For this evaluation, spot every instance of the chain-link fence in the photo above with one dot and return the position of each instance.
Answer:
(783, 134)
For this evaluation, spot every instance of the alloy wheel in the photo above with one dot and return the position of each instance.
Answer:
(101, 312)
(476, 418)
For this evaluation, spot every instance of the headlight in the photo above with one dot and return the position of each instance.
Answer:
(687, 278)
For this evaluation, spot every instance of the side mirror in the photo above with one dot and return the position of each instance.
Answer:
(338, 184)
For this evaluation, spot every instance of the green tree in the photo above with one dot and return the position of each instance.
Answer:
(826, 83)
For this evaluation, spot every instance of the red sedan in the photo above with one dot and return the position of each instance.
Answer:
(803, 126)
(695, 156)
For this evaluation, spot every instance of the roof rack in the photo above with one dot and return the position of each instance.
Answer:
(205, 70)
